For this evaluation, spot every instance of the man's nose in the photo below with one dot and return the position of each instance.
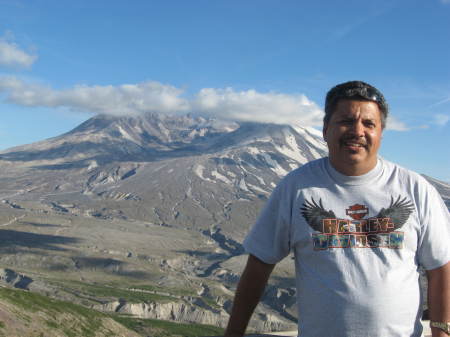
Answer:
(358, 128)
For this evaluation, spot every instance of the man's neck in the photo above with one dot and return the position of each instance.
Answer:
(353, 169)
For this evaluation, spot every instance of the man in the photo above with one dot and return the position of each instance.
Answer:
(359, 227)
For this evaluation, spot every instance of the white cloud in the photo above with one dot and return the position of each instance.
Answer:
(251, 105)
(144, 97)
(441, 119)
(12, 56)
(394, 124)
(114, 100)
(131, 99)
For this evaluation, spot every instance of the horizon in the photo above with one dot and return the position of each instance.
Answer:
(62, 63)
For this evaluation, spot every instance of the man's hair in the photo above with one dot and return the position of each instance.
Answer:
(355, 90)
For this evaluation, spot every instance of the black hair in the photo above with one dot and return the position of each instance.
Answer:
(355, 90)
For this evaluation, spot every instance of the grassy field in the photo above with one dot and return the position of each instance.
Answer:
(166, 329)
(49, 317)
(106, 291)
(52, 314)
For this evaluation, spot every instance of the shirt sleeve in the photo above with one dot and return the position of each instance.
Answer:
(269, 238)
(434, 244)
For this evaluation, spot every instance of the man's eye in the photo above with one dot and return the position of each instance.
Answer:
(346, 121)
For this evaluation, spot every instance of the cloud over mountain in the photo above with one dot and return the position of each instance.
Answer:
(251, 105)
(126, 99)
(134, 99)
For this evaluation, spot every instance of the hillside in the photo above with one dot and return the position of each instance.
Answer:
(25, 313)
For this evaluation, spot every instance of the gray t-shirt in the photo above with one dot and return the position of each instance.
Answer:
(358, 242)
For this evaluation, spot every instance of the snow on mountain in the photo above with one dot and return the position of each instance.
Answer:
(127, 138)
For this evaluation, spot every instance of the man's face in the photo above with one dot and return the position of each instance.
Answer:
(353, 135)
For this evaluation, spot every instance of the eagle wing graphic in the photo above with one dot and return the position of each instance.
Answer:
(315, 214)
(398, 211)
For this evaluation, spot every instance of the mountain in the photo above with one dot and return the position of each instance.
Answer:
(148, 201)
(144, 215)
(180, 171)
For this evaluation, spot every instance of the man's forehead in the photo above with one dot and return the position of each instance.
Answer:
(354, 108)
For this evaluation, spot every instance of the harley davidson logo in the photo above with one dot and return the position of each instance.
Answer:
(357, 211)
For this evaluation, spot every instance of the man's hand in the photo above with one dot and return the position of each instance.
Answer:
(249, 291)
(439, 297)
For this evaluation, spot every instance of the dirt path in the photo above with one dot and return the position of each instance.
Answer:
(10, 222)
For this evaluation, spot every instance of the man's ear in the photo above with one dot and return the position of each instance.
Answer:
(324, 131)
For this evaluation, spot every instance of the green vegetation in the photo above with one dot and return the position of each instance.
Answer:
(211, 302)
(172, 291)
(60, 314)
(33, 302)
(166, 329)
(52, 324)
(77, 321)
(105, 291)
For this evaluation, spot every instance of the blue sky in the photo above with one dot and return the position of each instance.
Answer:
(62, 62)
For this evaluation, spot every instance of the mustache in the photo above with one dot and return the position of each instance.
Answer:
(353, 139)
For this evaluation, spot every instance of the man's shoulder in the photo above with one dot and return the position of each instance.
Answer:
(409, 179)
(403, 173)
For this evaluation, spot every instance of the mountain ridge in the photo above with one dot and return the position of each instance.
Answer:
(148, 135)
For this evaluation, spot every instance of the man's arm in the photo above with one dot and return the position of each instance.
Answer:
(250, 288)
(439, 296)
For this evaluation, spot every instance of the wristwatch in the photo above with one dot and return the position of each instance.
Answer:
(444, 326)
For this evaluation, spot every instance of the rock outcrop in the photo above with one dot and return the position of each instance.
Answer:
(11, 278)
(192, 313)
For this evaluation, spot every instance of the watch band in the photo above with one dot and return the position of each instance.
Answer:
(444, 326)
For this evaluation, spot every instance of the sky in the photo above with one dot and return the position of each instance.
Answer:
(62, 62)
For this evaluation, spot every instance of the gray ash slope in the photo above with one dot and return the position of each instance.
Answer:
(179, 171)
